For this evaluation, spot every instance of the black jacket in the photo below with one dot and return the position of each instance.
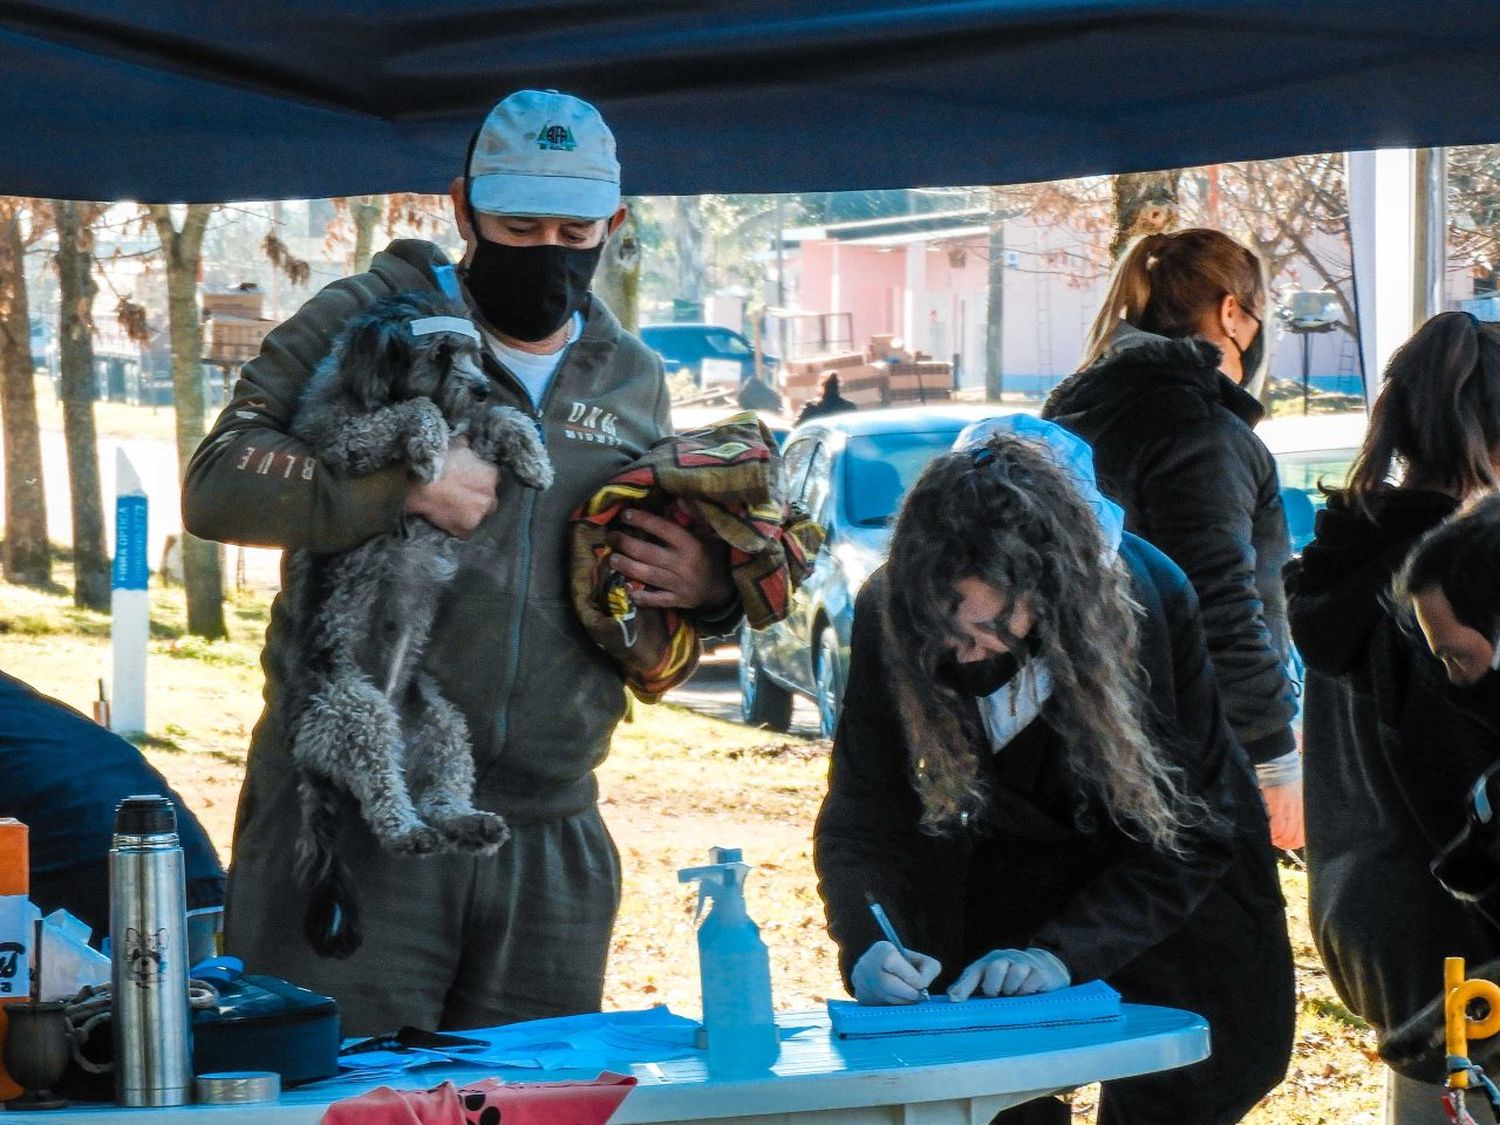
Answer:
(1173, 446)
(1206, 932)
(824, 406)
(1388, 755)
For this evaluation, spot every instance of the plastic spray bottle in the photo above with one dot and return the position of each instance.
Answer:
(734, 968)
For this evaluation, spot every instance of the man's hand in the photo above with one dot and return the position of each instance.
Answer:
(1284, 806)
(883, 976)
(461, 497)
(1011, 972)
(675, 566)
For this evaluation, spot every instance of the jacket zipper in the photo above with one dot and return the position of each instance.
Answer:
(508, 684)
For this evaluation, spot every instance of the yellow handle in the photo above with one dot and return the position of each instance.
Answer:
(1460, 1027)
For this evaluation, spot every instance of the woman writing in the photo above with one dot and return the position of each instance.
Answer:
(1161, 398)
(1033, 776)
(1390, 748)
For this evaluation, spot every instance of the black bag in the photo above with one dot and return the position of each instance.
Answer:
(266, 1023)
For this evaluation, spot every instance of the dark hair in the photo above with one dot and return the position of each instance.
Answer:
(830, 382)
(1437, 416)
(1167, 283)
(1007, 515)
(1460, 557)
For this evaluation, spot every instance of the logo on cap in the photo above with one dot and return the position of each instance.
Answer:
(556, 138)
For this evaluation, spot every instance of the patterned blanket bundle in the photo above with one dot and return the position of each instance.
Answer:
(722, 482)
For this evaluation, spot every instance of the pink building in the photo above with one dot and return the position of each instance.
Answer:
(925, 278)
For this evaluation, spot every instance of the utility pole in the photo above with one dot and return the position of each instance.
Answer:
(994, 323)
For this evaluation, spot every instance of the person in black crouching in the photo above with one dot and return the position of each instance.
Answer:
(1033, 775)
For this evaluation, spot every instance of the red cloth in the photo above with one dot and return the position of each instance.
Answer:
(491, 1101)
(487, 1102)
(385, 1106)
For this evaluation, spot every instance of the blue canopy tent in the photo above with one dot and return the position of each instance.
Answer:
(157, 100)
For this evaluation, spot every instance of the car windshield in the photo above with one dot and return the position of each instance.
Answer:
(725, 343)
(880, 468)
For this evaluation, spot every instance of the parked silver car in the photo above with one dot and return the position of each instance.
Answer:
(850, 471)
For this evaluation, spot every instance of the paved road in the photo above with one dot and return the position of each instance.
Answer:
(714, 690)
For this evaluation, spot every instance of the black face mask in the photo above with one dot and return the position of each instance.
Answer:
(979, 678)
(1251, 357)
(529, 292)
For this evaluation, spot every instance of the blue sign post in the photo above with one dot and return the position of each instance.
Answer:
(129, 606)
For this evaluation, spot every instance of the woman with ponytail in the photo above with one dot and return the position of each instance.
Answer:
(1390, 748)
(1032, 775)
(1162, 397)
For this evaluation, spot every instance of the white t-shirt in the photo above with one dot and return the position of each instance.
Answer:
(533, 370)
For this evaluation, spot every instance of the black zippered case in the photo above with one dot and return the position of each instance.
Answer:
(266, 1023)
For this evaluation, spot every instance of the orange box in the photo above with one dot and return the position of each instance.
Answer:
(15, 879)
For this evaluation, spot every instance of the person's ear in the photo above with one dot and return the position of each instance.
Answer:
(615, 220)
(1229, 315)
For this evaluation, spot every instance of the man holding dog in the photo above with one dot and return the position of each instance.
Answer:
(464, 941)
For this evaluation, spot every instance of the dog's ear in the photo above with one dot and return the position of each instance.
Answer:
(372, 360)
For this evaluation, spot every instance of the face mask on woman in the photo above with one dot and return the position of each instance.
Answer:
(979, 678)
(1251, 356)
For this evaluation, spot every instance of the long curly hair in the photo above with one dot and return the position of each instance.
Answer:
(1012, 519)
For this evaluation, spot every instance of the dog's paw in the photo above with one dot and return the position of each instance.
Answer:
(510, 439)
(477, 832)
(427, 441)
(421, 840)
(533, 470)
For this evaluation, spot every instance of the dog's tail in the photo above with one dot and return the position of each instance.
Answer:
(331, 924)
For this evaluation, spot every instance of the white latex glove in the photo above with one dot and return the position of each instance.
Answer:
(1284, 807)
(1011, 972)
(883, 976)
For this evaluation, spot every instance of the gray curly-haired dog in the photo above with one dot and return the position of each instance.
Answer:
(403, 379)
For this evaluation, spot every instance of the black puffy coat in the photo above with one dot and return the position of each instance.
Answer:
(1173, 446)
(1205, 932)
(1388, 758)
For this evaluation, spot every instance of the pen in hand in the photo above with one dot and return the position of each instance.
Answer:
(889, 932)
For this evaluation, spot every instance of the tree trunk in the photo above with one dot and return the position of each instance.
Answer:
(619, 278)
(366, 211)
(182, 250)
(1145, 203)
(994, 321)
(687, 224)
(26, 555)
(75, 329)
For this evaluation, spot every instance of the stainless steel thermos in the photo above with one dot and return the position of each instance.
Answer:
(149, 955)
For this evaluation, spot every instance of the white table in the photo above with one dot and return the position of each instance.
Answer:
(955, 1079)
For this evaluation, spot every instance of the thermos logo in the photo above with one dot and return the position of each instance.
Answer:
(145, 956)
(10, 959)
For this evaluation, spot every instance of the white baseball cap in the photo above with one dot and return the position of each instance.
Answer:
(544, 153)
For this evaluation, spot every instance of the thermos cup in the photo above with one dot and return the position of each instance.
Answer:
(149, 955)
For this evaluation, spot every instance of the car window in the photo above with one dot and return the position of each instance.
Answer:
(815, 488)
(1303, 476)
(727, 344)
(794, 464)
(880, 468)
